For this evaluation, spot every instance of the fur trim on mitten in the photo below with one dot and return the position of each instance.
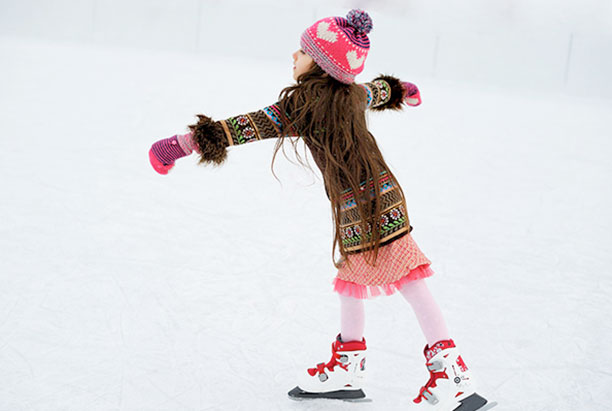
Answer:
(397, 94)
(212, 143)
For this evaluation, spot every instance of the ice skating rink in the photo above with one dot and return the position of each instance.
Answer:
(209, 289)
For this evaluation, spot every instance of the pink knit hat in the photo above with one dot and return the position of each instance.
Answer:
(339, 45)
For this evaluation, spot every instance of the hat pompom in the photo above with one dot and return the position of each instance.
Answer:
(360, 20)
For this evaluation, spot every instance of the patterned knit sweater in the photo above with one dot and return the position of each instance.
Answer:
(384, 92)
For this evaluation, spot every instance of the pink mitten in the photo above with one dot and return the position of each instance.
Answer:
(412, 96)
(164, 153)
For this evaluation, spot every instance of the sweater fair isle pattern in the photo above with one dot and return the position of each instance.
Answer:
(394, 223)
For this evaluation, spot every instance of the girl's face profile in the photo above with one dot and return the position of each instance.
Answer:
(301, 63)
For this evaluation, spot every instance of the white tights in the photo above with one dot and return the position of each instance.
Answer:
(429, 316)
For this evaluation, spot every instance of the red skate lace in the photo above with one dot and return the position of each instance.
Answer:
(431, 383)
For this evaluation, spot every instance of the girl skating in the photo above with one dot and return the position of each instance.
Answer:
(326, 108)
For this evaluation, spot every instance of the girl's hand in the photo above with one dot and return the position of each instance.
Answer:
(164, 153)
(412, 96)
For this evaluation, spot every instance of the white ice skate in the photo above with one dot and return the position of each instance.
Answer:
(450, 386)
(341, 378)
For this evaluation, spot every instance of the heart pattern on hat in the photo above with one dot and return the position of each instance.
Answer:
(353, 61)
(339, 45)
(324, 33)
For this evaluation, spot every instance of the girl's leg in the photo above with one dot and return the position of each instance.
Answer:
(352, 318)
(427, 311)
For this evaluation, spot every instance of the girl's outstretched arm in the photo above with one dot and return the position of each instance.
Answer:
(390, 93)
(210, 138)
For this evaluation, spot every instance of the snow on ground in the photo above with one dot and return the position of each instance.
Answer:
(209, 289)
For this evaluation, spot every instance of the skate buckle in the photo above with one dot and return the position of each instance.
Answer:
(431, 383)
(430, 398)
(435, 366)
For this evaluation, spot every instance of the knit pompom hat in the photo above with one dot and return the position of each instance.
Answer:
(339, 45)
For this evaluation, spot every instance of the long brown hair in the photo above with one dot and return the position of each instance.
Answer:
(330, 117)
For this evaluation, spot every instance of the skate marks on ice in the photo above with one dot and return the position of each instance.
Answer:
(349, 400)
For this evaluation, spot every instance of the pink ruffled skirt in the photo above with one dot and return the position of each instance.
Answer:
(398, 262)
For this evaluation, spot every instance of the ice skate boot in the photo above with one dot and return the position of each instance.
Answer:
(341, 378)
(450, 386)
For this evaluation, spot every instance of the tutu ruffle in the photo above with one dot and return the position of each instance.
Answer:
(350, 289)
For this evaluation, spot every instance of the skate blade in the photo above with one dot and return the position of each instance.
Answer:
(474, 402)
(299, 394)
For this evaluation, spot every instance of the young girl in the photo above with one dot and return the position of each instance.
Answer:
(378, 255)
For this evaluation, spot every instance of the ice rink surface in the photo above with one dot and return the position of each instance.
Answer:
(210, 288)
